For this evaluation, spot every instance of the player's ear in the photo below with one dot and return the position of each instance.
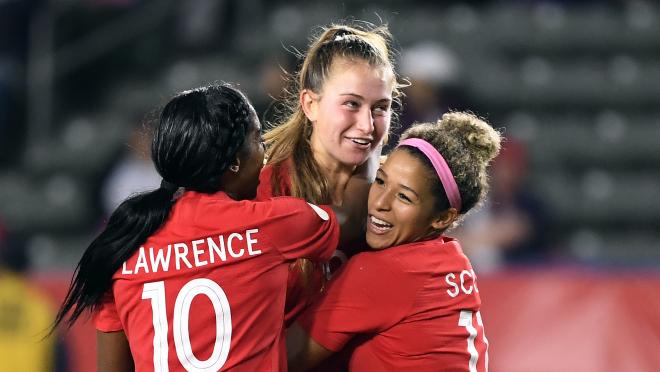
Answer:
(235, 165)
(445, 219)
(309, 103)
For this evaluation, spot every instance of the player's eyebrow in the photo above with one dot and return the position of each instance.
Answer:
(382, 173)
(409, 189)
(362, 98)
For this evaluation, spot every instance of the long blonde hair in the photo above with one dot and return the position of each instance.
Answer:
(291, 139)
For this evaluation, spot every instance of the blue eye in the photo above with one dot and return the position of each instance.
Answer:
(352, 104)
(381, 110)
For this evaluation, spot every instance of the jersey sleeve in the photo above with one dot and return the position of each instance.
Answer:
(302, 230)
(367, 295)
(106, 317)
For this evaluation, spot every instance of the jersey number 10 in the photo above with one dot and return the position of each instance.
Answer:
(155, 292)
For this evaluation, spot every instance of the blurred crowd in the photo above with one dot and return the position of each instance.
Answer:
(75, 132)
(551, 202)
(26, 314)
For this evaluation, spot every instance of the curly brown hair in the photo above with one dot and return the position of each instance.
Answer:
(468, 144)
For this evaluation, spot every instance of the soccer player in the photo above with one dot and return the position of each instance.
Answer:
(339, 113)
(411, 303)
(192, 276)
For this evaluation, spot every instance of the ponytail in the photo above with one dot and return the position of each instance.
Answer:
(198, 135)
(290, 141)
(129, 226)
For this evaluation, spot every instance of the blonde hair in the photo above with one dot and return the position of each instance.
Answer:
(468, 144)
(291, 139)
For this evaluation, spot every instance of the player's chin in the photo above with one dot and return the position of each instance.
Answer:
(376, 242)
(355, 159)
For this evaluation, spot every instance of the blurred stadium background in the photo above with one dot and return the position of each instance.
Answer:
(576, 83)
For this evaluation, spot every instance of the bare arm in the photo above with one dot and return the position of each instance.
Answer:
(114, 354)
(367, 170)
(352, 214)
(303, 352)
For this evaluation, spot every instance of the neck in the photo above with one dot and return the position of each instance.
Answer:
(337, 175)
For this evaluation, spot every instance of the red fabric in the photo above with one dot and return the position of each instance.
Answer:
(265, 188)
(300, 292)
(544, 320)
(572, 320)
(106, 318)
(399, 306)
(260, 240)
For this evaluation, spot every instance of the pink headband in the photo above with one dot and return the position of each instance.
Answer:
(441, 168)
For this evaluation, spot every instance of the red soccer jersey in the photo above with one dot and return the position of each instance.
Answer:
(299, 293)
(282, 179)
(206, 291)
(413, 307)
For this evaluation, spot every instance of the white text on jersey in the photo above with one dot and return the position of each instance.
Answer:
(463, 277)
(195, 253)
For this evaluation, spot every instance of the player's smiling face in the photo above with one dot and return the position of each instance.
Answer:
(400, 203)
(351, 114)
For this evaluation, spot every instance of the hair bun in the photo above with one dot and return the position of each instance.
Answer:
(342, 33)
(468, 144)
(482, 139)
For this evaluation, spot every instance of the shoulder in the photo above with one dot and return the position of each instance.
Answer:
(372, 258)
(453, 257)
(209, 210)
(379, 265)
(292, 217)
(423, 259)
(288, 205)
(274, 180)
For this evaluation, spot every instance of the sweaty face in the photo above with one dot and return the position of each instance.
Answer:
(251, 156)
(351, 114)
(400, 202)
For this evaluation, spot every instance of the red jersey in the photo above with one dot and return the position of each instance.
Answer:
(299, 293)
(413, 307)
(206, 291)
(282, 180)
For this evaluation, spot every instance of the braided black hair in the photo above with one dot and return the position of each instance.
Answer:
(198, 135)
(205, 149)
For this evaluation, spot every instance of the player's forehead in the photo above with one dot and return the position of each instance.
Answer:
(359, 77)
(253, 122)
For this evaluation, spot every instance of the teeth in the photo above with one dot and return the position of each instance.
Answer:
(380, 223)
(360, 141)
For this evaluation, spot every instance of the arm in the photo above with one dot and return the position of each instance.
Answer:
(366, 296)
(352, 214)
(114, 354)
(367, 170)
(302, 351)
